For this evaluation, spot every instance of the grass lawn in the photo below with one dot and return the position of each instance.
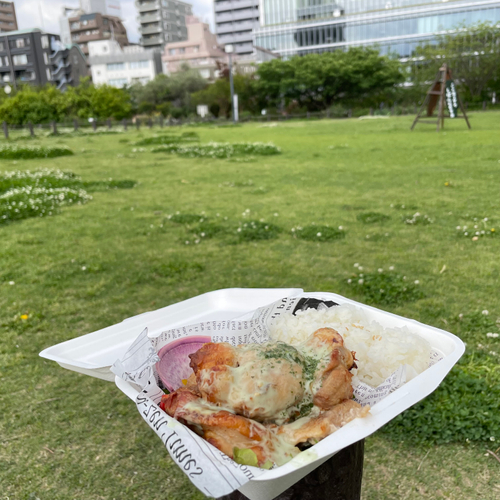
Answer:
(67, 436)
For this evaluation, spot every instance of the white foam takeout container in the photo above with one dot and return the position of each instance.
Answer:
(94, 353)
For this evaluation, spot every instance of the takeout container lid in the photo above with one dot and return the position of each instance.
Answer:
(240, 303)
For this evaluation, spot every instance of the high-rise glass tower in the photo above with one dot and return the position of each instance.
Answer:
(295, 27)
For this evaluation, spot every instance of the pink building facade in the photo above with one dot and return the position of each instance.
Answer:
(200, 51)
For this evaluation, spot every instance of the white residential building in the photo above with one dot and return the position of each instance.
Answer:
(110, 64)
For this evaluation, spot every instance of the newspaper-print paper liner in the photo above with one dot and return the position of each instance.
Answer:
(210, 470)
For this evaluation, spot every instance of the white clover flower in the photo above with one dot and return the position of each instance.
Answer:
(485, 219)
(360, 268)
(356, 265)
(187, 242)
(340, 228)
(458, 228)
(318, 235)
(460, 316)
(380, 270)
(12, 282)
(485, 312)
(84, 268)
(381, 290)
(202, 235)
(361, 281)
(492, 335)
(391, 268)
(276, 214)
(492, 438)
(349, 281)
(416, 282)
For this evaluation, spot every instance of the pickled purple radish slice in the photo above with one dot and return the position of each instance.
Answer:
(173, 366)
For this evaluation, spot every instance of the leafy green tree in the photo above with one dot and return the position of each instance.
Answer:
(317, 81)
(473, 54)
(38, 105)
(110, 102)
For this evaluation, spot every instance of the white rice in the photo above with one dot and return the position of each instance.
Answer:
(379, 351)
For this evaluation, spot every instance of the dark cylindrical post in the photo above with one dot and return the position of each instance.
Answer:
(337, 479)
(75, 124)
(32, 132)
(94, 125)
(109, 123)
(5, 130)
(484, 105)
(54, 128)
(137, 123)
(308, 115)
(371, 111)
(349, 113)
(161, 121)
(150, 123)
(124, 123)
(328, 113)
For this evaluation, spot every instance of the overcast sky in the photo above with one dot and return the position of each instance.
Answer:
(29, 14)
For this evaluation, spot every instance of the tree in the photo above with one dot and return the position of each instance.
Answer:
(317, 81)
(38, 105)
(473, 54)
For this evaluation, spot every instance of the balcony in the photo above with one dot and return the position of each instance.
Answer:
(235, 4)
(235, 27)
(148, 18)
(147, 6)
(238, 15)
(150, 29)
(149, 42)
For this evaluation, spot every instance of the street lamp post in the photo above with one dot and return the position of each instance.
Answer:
(229, 51)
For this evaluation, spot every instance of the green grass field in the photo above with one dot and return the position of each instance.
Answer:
(67, 436)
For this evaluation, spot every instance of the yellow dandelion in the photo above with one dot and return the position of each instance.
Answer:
(24, 317)
(446, 183)
(492, 229)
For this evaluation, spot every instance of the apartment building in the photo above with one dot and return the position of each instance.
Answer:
(200, 51)
(113, 65)
(234, 22)
(85, 28)
(8, 20)
(162, 21)
(35, 57)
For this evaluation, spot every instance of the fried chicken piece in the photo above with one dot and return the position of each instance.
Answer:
(312, 429)
(256, 381)
(332, 379)
(225, 430)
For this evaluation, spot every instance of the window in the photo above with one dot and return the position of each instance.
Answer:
(115, 66)
(171, 52)
(6, 61)
(45, 58)
(1, 61)
(49, 74)
(205, 73)
(182, 50)
(196, 48)
(85, 22)
(118, 82)
(45, 42)
(6, 77)
(20, 59)
(74, 26)
(20, 43)
(139, 64)
(1, 47)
